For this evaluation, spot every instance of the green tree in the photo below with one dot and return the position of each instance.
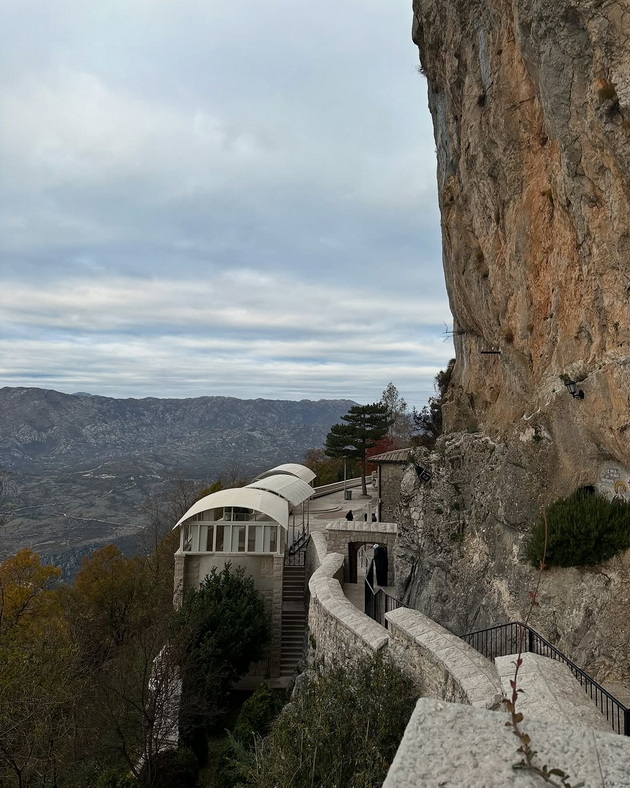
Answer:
(364, 426)
(121, 615)
(37, 667)
(224, 628)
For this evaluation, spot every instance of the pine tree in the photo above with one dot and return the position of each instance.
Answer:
(364, 426)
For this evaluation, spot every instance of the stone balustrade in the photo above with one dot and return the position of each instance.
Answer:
(340, 631)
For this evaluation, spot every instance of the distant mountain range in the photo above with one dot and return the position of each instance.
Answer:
(77, 470)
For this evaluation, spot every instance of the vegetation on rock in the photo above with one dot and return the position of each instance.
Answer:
(583, 529)
(428, 421)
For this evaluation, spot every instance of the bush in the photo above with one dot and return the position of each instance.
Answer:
(253, 723)
(257, 713)
(175, 769)
(583, 529)
(342, 729)
(225, 627)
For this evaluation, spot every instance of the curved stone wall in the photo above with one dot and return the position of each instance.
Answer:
(441, 665)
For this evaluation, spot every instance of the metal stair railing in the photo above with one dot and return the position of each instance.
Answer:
(295, 554)
(515, 637)
(378, 602)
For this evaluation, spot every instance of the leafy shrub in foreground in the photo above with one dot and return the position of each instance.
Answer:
(176, 769)
(253, 723)
(583, 529)
(342, 729)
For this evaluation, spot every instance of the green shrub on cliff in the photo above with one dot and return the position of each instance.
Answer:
(583, 529)
(342, 729)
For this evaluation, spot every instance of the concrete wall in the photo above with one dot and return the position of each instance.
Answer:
(551, 692)
(440, 663)
(339, 632)
(451, 744)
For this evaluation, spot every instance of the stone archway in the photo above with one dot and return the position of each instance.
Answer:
(347, 537)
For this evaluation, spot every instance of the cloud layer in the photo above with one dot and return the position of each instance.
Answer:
(217, 198)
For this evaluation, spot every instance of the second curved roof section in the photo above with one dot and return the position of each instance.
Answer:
(290, 487)
(292, 468)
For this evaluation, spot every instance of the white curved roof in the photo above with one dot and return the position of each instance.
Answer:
(268, 503)
(292, 468)
(293, 489)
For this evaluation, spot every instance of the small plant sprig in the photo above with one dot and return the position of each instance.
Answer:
(554, 776)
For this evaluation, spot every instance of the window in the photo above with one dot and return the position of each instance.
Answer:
(219, 548)
(209, 539)
(254, 539)
(271, 537)
(188, 531)
(238, 538)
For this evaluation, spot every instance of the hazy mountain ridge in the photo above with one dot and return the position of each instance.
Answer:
(76, 471)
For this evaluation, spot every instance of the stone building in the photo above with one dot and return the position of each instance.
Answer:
(391, 466)
(253, 527)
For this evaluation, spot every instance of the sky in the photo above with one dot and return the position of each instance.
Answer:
(218, 197)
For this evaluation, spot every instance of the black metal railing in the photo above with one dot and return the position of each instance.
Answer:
(515, 637)
(295, 554)
(378, 602)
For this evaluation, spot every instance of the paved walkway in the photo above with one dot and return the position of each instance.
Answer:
(333, 506)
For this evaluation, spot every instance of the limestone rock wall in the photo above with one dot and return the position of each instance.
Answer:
(531, 108)
(530, 102)
(459, 557)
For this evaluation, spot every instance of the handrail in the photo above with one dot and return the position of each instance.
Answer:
(378, 602)
(295, 555)
(326, 489)
(514, 637)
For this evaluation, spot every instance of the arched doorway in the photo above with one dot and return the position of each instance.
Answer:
(352, 571)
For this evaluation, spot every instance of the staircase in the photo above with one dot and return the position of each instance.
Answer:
(293, 619)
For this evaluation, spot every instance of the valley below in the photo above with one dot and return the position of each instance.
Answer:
(79, 471)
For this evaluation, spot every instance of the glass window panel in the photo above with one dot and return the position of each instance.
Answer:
(254, 539)
(221, 529)
(209, 538)
(187, 537)
(238, 538)
(271, 535)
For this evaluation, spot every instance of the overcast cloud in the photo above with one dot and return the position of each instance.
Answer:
(207, 197)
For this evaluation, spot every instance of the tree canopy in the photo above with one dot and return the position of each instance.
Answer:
(224, 628)
(364, 426)
(401, 426)
(428, 421)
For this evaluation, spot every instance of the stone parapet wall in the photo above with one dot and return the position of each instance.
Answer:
(551, 692)
(442, 665)
(340, 631)
(450, 744)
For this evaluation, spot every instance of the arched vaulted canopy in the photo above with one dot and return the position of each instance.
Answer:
(291, 468)
(294, 490)
(270, 504)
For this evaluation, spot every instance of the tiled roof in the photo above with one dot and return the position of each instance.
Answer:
(398, 455)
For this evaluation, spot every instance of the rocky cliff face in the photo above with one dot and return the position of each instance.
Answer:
(531, 108)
